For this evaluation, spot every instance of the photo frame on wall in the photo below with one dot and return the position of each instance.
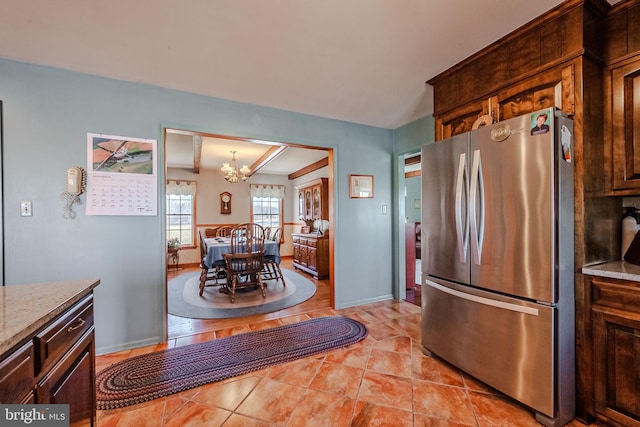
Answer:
(360, 186)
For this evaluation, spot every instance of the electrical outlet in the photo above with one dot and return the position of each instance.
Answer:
(384, 209)
(25, 208)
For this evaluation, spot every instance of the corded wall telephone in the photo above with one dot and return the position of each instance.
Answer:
(75, 180)
(75, 186)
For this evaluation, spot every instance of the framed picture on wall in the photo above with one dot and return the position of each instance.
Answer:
(360, 186)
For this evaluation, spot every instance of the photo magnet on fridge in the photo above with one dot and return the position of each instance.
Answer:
(540, 123)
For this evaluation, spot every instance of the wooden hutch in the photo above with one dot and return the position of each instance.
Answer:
(311, 250)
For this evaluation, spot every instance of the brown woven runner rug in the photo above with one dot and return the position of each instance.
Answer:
(161, 373)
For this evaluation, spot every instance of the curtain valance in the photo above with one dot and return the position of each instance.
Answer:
(265, 190)
(181, 188)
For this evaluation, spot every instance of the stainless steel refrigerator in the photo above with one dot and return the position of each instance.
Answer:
(497, 259)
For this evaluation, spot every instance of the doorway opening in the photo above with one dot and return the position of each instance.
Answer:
(413, 227)
(198, 157)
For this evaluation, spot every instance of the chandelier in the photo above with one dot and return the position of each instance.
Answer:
(231, 172)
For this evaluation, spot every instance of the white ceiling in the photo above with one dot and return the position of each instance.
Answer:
(215, 151)
(362, 61)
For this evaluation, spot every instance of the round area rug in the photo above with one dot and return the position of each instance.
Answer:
(184, 301)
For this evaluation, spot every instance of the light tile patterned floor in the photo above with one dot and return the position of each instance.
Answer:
(385, 380)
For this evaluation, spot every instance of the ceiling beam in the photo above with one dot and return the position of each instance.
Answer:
(308, 169)
(271, 154)
(197, 153)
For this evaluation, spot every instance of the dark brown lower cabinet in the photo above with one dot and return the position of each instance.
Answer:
(56, 366)
(72, 381)
(311, 254)
(16, 375)
(615, 318)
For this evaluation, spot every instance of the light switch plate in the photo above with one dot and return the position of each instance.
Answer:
(25, 208)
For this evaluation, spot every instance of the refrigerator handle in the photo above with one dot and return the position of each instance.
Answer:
(461, 229)
(482, 300)
(476, 208)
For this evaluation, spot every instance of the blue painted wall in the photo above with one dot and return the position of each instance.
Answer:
(410, 137)
(47, 114)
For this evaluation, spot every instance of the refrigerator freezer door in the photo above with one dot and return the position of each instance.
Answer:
(445, 225)
(512, 209)
(504, 342)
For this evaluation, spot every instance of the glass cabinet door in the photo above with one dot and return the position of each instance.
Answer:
(308, 203)
(301, 212)
(317, 204)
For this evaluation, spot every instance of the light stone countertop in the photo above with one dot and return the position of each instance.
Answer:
(615, 270)
(26, 308)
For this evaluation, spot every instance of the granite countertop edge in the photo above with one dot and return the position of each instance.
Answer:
(614, 269)
(24, 309)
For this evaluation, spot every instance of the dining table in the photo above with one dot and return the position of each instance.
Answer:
(218, 246)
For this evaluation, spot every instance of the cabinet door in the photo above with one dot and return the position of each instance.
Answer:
(616, 341)
(311, 259)
(317, 202)
(303, 255)
(308, 204)
(460, 120)
(296, 253)
(301, 211)
(16, 375)
(546, 90)
(72, 381)
(625, 132)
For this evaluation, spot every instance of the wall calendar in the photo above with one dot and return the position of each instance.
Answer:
(121, 175)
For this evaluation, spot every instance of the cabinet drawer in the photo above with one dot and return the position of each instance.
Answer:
(296, 240)
(312, 243)
(55, 340)
(617, 294)
(303, 242)
(17, 375)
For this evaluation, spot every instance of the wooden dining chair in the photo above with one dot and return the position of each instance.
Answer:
(210, 232)
(209, 273)
(224, 231)
(271, 268)
(245, 262)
